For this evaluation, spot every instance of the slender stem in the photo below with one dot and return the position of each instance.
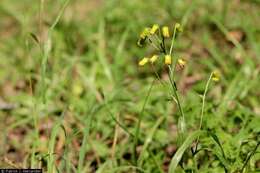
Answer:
(171, 48)
(163, 46)
(174, 88)
(173, 39)
(202, 108)
(203, 100)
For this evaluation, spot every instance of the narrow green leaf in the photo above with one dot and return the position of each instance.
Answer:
(178, 155)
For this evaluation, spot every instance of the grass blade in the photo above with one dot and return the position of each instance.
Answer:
(178, 155)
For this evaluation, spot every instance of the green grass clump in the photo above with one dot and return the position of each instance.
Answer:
(74, 99)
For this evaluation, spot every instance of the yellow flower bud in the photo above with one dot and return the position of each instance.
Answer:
(154, 58)
(167, 59)
(145, 33)
(182, 62)
(143, 61)
(216, 75)
(178, 27)
(154, 28)
(165, 32)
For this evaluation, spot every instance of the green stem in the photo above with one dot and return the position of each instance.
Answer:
(174, 88)
(203, 100)
(173, 39)
(202, 108)
(171, 48)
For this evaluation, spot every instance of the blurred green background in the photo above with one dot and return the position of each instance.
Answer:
(71, 90)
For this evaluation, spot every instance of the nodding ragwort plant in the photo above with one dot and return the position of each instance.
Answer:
(156, 37)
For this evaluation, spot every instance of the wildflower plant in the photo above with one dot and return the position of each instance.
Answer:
(156, 36)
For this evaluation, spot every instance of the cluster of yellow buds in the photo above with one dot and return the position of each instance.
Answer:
(151, 31)
(145, 60)
(156, 36)
(154, 58)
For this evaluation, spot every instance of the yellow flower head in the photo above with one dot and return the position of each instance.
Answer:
(182, 62)
(154, 28)
(178, 27)
(143, 61)
(216, 75)
(167, 60)
(145, 33)
(153, 58)
(165, 32)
